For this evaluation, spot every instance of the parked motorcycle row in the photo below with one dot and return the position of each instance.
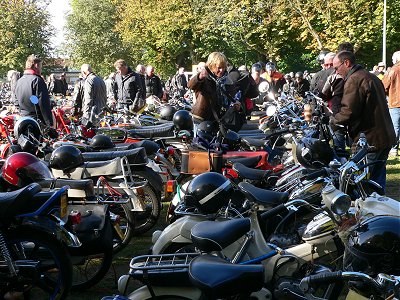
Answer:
(273, 211)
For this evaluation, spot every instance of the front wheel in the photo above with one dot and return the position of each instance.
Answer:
(48, 271)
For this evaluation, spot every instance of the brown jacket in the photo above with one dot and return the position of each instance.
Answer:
(364, 109)
(206, 94)
(391, 81)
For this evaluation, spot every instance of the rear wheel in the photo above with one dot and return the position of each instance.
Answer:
(124, 226)
(51, 278)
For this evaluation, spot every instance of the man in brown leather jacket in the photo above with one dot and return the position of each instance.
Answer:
(364, 110)
(391, 81)
(215, 86)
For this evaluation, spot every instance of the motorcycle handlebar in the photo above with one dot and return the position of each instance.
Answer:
(273, 211)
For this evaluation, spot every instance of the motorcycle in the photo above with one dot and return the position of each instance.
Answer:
(34, 261)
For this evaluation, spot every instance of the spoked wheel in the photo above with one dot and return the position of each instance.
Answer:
(124, 226)
(48, 271)
(89, 270)
(145, 220)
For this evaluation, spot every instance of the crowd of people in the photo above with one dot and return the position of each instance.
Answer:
(360, 101)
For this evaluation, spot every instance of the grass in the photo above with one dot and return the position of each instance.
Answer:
(140, 245)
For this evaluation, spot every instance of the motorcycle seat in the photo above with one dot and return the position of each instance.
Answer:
(261, 196)
(150, 147)
(250, 126)
(255, 135)
(211, 236)
(17, 202)
(79, 188)
(135, 156)
(252, 142)
(162, 130)
(250, 162)
(249, 173)
(218, 278)
(93, 169)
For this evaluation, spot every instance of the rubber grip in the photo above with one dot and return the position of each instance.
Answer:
(359, 155)
(326, 277)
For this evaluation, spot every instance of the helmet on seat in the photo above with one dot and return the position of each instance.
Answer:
(374, 246)
(66, 158)
(167, 112)
(183, 120)
(101, 141)
(26, 126)
(313, 153)
(208, 192)
(21, 169)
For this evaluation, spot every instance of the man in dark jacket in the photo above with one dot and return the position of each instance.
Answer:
(216, 86)
(32, 84)
(153, 83)
(128, 85)
(364, 110)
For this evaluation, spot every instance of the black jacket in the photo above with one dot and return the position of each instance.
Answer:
(129, 86)
(31, 84)
(153, 86)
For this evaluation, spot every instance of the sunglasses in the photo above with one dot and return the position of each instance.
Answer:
(336, 68)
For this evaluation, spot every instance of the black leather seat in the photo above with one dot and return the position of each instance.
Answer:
(162, 130)
(262, 196)
(135, 156)
(218, 278)
(17, 202)
(249, 173)
(211, 236)
(250, 162)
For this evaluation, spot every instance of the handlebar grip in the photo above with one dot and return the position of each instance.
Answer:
(360, 155)
(273, 211)
(326, 277)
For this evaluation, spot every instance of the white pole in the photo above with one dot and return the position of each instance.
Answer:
(384, 34)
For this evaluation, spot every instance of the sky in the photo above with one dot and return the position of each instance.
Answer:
(58, 10)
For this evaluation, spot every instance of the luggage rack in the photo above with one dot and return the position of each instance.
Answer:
(161, 262)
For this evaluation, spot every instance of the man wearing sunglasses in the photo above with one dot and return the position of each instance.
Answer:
(364, 110)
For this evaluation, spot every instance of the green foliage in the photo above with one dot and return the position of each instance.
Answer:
(24, 30)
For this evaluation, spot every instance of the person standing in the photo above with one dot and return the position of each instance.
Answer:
(63, 79)
(94, 95)
(216, 88)
(181, 82)
(129, 87)
(301, 85)
(364, 110)
(274, 78)
(110, 87)
(141, 70)
(32, 84)
(77, 96)
(153, 83)
(391, 82)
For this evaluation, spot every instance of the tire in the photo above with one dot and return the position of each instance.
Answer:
(54, 273)
(144, 221)
(89, 270)
(126, 225)
(179, 248)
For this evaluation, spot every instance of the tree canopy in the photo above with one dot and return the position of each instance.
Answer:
(172, 33)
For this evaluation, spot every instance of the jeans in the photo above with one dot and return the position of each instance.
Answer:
(378, 171)
(395, 116)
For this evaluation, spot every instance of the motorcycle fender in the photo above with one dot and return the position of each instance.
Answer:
(4, 149)
(60, 233)
(164, 291)
(177, 232)
(154, 178)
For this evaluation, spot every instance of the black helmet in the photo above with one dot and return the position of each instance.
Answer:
(183, 120)
(374, 246)
(167, 112)
(208, 192)
(313, 153)
(321, 56)
(232, 139)
(299, 75)
(101, 141)
(27, 125)
(66, 158)
(207, 130)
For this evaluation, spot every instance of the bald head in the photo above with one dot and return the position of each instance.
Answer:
(85, 70)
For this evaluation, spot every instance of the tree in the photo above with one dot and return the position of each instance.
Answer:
(92, 37)
(24, 30)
